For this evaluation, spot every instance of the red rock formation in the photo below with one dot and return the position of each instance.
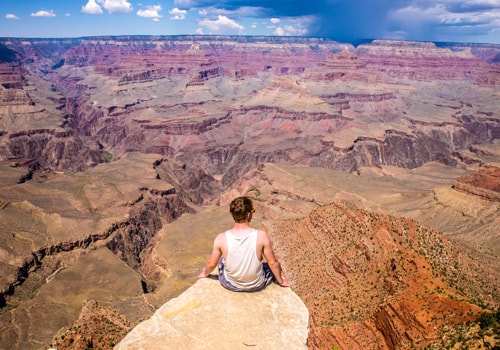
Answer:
(484, 183)
(390, 59)
(376, 282)
(11, 86)
(97, 327)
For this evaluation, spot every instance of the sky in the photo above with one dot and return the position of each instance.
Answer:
(476, 21)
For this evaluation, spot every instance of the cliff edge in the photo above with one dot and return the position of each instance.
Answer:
(207, 316)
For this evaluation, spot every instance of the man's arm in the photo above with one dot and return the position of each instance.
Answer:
(213, 260)
(273, 263)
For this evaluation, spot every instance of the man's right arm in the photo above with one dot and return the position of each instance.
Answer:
(213, 260)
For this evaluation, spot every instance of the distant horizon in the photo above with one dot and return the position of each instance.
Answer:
(354, 42)
(345, 21)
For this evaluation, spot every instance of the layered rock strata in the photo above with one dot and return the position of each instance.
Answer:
(374, 281)
(484, 183)
(70, 235)
(358, 107)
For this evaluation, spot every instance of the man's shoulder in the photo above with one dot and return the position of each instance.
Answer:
(262, 235)
(220, 238)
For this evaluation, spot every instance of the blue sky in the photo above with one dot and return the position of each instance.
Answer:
(343, 20)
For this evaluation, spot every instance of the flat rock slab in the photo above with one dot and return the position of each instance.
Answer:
(207, 316)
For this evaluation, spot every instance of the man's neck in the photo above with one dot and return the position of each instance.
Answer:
(241, 225)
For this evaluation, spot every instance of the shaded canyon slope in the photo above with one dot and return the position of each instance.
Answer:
(114, 149)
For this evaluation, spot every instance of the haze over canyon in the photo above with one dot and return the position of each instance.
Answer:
(375, 169)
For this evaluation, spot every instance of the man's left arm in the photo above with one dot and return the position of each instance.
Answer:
(273, 263)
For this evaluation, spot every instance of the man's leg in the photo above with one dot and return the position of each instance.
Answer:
(268, 274)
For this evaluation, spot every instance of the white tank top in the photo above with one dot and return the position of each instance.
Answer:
(242, 267)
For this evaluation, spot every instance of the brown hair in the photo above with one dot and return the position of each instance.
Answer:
(240, 207)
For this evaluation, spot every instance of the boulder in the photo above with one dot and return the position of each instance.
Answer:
(207, 316)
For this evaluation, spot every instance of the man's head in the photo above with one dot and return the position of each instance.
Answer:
(240, 209)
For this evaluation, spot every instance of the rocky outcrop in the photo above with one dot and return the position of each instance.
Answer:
(406, 278)
(207, 316)
(11, 86)
(388, 58)
(484, 183)
(97, 327)
(54, 149)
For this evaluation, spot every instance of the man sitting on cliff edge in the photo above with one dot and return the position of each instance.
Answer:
(244, 255)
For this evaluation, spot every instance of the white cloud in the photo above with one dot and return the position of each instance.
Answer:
(222, 25)
(290, 31)
(92, 8)
(11, 16)
(297, 31)
(200, 31)
(151, 12)
(279, 31)
(43, 13)
(450, 21)
(177, 14)
(116, 6)
(440, 13)
(296, 26)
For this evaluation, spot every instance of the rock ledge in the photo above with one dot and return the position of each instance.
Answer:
(206, 316)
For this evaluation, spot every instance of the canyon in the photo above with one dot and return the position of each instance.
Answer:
(375, 169)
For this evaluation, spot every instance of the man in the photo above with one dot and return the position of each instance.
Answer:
(244, 255)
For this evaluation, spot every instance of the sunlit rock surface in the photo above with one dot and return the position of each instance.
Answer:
(207, 316)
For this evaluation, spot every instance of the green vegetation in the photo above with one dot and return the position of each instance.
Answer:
(255, 194)
(108, 156)
(484, 333)
(490, 321)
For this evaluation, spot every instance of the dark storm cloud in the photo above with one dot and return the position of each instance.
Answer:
(338, 19)
(353, 20)
(472, 6)
(290, 8)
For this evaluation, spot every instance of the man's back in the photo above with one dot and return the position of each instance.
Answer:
(242, 266)
(255, 252)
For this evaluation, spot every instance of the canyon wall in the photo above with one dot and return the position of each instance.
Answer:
(357, 106)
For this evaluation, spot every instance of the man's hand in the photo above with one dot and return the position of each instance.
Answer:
(203, 274)
(284, 283)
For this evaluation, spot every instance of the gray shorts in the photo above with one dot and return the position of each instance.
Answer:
(268, 278)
